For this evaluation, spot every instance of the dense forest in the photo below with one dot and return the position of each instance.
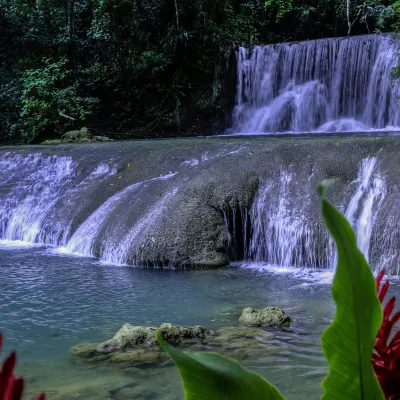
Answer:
(148, 68)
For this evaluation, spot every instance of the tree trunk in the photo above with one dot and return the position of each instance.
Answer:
(177, 15)
(349, 24)
(71, 9)
(71, 34)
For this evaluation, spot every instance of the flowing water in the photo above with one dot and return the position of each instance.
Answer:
(326, 85)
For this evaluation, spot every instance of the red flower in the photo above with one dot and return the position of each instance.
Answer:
(11, 388)
(386, 357)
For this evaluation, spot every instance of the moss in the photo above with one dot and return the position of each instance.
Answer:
(270, 316)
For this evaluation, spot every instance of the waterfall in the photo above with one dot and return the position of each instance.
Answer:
(31, 185)
(364, 205)
(282, 234)
(84, 239)
(326, 85)
(266, 210)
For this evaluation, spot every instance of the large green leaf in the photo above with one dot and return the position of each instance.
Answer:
(348, 342)
(210, 376)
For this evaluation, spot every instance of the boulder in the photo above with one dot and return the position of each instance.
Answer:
(130, 336)
(174, 334)
(82, 135)
(270, 316)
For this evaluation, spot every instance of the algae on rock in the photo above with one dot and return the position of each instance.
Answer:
(130, 336)
(270, 316)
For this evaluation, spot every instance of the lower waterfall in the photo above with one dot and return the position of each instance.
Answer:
(245, 201)
(282, 236)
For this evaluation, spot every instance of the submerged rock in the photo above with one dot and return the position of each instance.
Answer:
(130, 336)
(85, 350)
(270, 316)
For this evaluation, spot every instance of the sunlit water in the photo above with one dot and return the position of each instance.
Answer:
(50, 302)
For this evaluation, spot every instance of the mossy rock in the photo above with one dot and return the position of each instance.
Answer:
(270, 316)
(82, 136)
(130, 336)
(174, 334)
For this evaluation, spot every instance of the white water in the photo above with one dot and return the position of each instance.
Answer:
(24, 208)
(36, 190)
(282, 236)
(364, 205)
(83, 240)
(327, 85)
(280, 230)
(30, 187)
(134, 242)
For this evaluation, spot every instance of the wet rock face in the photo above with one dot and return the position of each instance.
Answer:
(206, 202)
(270, 316)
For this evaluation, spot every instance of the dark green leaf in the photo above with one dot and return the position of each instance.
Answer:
(211, 376)
(348, 342)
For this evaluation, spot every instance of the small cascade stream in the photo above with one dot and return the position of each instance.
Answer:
(281, 233)
(326, 85)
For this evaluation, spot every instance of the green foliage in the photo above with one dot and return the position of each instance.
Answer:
(48, 92)
(212, 376)
(349, 340)
(347, 343)
(156, 67)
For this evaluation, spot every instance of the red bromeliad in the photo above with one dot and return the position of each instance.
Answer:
(11, 388)
(386, 358)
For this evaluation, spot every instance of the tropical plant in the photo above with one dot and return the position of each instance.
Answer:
(347, 343)
(386, 358)
(11, 387)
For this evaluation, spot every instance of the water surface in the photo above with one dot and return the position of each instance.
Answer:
(50, 302)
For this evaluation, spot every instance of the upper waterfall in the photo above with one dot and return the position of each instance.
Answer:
(326, 85)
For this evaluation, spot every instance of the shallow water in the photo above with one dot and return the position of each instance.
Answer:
(50, 302)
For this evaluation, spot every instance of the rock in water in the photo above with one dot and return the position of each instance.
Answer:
(270, 316)
(174, 334)
(130, 336)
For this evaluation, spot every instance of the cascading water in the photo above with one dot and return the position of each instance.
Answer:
(83, 240)
(102, 207)
(31, 186)
(283, 236)
(364, 205)
(326, 85)
(280, 234)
